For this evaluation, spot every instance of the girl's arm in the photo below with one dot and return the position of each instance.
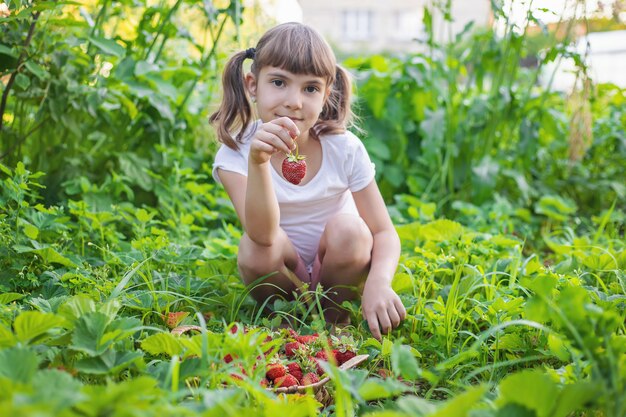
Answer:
(382, 307)
(253, 196)
(262, 221)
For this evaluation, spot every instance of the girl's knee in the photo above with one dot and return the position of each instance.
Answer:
(255, 261)
(348, 237)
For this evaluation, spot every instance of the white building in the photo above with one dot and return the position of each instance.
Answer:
(386, 25)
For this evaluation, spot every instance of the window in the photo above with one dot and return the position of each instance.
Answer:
(357, 24)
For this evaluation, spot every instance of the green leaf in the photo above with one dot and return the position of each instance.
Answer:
(89, 332)
(31, 324)
(48, 254)
(162, 343)
(376, 388)
(505, 241)
(110, 362)
(6, 170)
(404, 363)
(555, 207)
(37, 70)
(386, 348)
(76, 307)
(573, 397)
(7, 338)
(379, 149)
(121, 328)
(558, 348)
(18, 364)
(57, 390)
(31, 231)
(395, 175)
(461, 405)
(415, 406)
(543, 285)
(108, 46)
(5, 50)
(515, 410)
(403, 283)
(509, 341)
(22, 82)
(531, 388)
(162, 105)
(136, 169)
(143, 216)
(9, 297)
(441, 230)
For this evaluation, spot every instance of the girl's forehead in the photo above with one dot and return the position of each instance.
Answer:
(281, 72)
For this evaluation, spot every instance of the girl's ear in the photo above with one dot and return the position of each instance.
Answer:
(250, 81)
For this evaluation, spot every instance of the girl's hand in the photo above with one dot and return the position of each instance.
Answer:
(382, 308)
(271, 137)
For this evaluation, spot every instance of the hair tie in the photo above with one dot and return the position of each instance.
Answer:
(250, 52)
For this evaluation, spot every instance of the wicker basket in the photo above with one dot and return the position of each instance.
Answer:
(185, 328)
(321, 394)
(316, 387)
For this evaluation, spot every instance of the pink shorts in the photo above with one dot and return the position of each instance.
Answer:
(309, 275)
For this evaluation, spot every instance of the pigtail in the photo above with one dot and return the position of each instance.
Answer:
(235, 111)
(336, 114)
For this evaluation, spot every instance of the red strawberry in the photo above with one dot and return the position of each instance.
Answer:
(323, 356)
(275, 370)
(310, 379)
(286, 381)
(228, 358)
(293, 368)
(318, 367)
(305, 340)
(294, 168)
(343, 357)
(290, 349)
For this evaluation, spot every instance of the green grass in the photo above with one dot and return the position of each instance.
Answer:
(494, 325)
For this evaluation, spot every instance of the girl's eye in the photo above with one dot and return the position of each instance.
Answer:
(278, 83)
(311, 89)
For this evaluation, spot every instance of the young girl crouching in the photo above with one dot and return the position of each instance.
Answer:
(325, 223)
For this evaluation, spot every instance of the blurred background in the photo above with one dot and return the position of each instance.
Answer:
(464, 104)
(397, 26)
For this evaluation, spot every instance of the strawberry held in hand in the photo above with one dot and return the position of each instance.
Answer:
(294, 167)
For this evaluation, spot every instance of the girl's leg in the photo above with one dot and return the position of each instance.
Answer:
(279, 260)
(345, 253)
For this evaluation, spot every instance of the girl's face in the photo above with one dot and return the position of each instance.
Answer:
(280, 93)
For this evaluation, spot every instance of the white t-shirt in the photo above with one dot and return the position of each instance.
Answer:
(305, 209)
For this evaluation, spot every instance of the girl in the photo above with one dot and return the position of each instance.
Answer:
(332, 227)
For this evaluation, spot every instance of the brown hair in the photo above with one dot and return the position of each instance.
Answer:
(296, 48)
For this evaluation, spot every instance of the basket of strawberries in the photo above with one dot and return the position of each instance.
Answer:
(296, 367)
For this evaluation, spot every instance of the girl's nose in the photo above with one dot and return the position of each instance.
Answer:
(293, 100)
